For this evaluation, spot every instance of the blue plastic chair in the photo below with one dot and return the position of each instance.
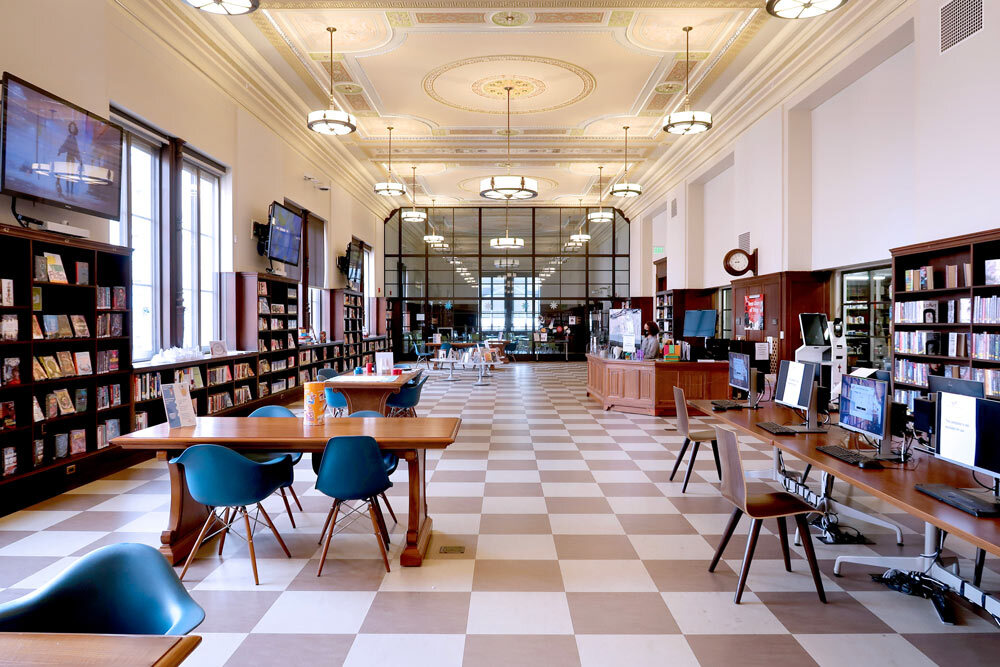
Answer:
(326, 373)
(278, 411)
(419, 349)
(334, 399)
(121, 589)
(221, 478)
(509, 349)
(405, 402)
(352, 469)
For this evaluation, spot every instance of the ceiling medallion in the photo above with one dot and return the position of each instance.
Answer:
(392, 187)
(600, 215)
(623, 188)
(801, 9)
(522, 87)
(509, 19)
(226, 7)
(687, 121)
(332, 120)
(508, 187)
(412, 214)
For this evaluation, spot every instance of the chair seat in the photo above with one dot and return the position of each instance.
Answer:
(701, 436)
(776, 504)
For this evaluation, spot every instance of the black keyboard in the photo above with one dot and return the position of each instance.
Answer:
(727, 404)
(776, 429)
(963, 500)
(846, 455)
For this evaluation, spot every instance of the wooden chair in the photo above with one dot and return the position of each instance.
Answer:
(776, 505)
(696, 437)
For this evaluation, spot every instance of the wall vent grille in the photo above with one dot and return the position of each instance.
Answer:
(673, 207)
(960, 19)
(744, 244)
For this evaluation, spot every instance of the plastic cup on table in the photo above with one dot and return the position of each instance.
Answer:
(359, 370)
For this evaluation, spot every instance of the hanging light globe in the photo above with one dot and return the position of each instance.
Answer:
(802, 9)
(508, 187)
(226, 7)
(687, 121)
(413, 215)
(331, 121)
(390, 188)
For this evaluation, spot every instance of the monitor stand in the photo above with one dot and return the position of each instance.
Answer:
(753, 396)
(812, 415)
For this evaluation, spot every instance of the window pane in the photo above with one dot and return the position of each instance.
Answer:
(142, 181)
(189, 332)
(187, 260)
(207, 266)
(142, 245)
(207, 318)
(189, 194)
(142, 321)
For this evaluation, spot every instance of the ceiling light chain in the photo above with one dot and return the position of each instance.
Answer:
(687, 121)
(600, 215)
(332, 120)
(623, 188)
(390, 188)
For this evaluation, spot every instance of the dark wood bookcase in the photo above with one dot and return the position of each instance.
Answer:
(911, 365)
(663, 301)
(41, 472)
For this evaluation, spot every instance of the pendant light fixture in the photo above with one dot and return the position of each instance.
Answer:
(600, 215)
(412, 214)
(433, 237)
(226, 7)
(390, 188)
(802, 9)
(580, 236)
(332, 120)
(687, 121)
(506, 242)
(507, 186)
(623, 188)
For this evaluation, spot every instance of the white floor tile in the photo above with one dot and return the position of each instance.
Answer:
(636, 650)
(320, 612)
(519, 614)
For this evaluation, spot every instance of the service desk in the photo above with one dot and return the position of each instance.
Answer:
(647, 387)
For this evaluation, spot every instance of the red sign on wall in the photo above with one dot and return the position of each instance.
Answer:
(753, 308)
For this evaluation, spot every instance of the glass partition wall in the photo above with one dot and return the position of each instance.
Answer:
(538, 295)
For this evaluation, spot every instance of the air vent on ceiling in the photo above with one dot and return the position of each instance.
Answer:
(960, 19)
(744, 243)
(673, 207)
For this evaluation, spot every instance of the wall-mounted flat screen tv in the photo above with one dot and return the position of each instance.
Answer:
(57, 153)
(285, 235)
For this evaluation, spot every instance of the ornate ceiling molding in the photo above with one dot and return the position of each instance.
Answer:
(509, 4)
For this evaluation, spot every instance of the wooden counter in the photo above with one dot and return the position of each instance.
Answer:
(647, 387)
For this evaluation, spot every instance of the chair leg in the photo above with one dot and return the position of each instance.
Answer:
(977, 575)
(783, 536)
(747, 557)
(329, 535)
(378, 533)
(734, 519)
(253, 556)
(274, 530)
(288, 507)
(225, 531)
(326, 523)
(687, 475)
(295, 497)
(715, 453)
(677, 463)
(389, 507)
(197, 542)
(807, 544)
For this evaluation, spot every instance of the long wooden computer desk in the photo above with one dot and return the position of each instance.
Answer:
(894, 485)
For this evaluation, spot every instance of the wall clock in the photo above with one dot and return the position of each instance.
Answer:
(738, 262)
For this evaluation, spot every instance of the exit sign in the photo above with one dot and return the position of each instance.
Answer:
(657, 250)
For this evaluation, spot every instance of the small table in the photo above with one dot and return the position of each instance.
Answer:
(564, 342)
(369, 392)
(46, 648)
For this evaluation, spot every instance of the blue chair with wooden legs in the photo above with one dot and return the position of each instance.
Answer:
(509, 349)
(218, 477)
(352, 469)
(277, 411)
(334, 399)
(405, 402)
(120, 589)
(421, 351)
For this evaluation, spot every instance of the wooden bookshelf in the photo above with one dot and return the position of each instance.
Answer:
(348, 322)
(41, 466)
(676, 302)
(663, 309)
(926, 330)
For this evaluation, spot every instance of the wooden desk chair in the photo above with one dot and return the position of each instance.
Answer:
(776, 505)
(696, 437)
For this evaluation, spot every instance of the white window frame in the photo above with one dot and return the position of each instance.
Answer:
(194, 336)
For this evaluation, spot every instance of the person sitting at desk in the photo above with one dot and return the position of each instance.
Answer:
(650, 341)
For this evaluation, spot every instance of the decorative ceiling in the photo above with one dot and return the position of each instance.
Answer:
(437, 75)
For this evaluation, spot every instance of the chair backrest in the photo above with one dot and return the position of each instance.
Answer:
(326, 373)
(734, 484)
(446, 347)
(683, 428)
(367, 413)
(272, 411)
(418, 348)
(122, 588)
(219, 477)
(334, 399)
(352, 468)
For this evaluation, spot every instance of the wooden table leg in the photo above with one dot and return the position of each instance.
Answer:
(185, 520)
(418, 527)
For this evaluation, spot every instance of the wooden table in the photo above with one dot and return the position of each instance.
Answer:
(44, 648)
(409, 438)
(647, 387)
(894, 485)
(369, 392)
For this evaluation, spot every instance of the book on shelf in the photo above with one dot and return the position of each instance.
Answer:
(9, 461)
(38, 452)
(37, 371)
(146, 386)
(991, 272)
(36, 329)
(51, 406)
(119, 298)
(77, 441)
(986, 346)
(51, 366)
(263, 307)
(243, 370)
(82, 361)
(261, 288)
(6, 292)
(219, 402)
(82, 273)
(242, 395)
(41, 269)
(36, 299)
(102, 436)
(64, 401)
(80, 400)
(80, 328)
(114, 429)
(8, 415)
(141, 420)
(60, 445)
(191, 375)
(262, 324)
(277, 309)
(109, 396)
(219, 375)
(51, 324)
(36, 410)
(54, 268)
(986, 309)
(66, 365)
(107, 361)
(293, 293)
(103, 298)
(10, 374)
(64, 330)
(8, 327)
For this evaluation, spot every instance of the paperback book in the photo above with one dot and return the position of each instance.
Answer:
(11, 373)
(54, 268)
(77, 441)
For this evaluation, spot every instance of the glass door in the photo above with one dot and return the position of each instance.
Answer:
(866, 305)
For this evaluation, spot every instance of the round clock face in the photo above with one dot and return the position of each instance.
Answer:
(739, 262)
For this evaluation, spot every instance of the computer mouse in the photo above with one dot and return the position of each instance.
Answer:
(718, 408)
(870, 464)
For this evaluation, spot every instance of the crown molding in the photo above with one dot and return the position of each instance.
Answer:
(786, 66)
(217, 51)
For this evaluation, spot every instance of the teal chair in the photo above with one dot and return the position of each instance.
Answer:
(419, 349)
(278, 411)
(405, 401)
(120, 589)
(352, 469)
(334, 399)
(218, 477)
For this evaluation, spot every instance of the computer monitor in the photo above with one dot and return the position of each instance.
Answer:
(795, 384)
(699, 323)
(815, 332)
(966, 432)
(882, 375)
(739, 371)
(939, 383)
(864, 406)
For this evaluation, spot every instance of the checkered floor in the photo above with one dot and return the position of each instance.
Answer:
(577, 550)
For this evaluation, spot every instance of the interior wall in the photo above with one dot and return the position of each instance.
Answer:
(720, 230)
(758, 194)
